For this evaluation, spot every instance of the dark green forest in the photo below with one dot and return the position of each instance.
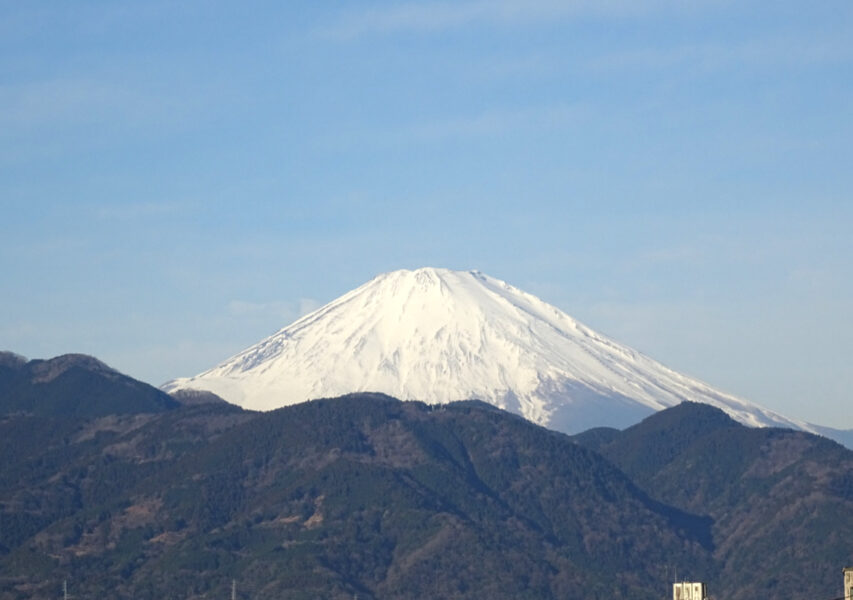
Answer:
(371, 497)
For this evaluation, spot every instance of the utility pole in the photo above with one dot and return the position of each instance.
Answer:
(233, 589)
(64, 589)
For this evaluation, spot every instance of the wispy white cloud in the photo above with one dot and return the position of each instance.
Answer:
(764, 53)
(134, 211)
(440, 16)
(514, 68)
(72, 101)
(50, 117)
(93, 18)
(492, 122)
(485, 124)
(281, 312)
(54, 117)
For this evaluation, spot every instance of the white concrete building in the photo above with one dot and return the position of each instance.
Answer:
(689, 590)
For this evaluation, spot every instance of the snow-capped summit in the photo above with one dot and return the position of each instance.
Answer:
(438, 335)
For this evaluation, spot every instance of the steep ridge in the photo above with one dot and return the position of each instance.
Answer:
(73, 384)
(777, 497)
(437, 336)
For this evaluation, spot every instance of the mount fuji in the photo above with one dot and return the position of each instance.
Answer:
(438, 336)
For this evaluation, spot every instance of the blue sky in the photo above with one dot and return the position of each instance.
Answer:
(179, 180)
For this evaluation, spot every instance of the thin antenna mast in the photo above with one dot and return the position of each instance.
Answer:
(233, 589)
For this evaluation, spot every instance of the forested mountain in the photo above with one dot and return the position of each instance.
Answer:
(781, 501)
(371, 497)
(73, 384)
(358, 495)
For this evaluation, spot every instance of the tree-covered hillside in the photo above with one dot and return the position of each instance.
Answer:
(359, 495)
(781, 500)
(126, 494)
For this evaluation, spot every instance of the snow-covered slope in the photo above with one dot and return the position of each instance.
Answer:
(438, 335)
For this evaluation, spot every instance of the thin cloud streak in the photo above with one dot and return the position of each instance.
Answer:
(443, 16)
(489, 123)
(141, 210)
(283, 313)
(66, 102)
(753, 53)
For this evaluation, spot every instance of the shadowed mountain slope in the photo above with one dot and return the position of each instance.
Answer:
(365, 495)
(359, 495)
(777, 497)
(73, 384)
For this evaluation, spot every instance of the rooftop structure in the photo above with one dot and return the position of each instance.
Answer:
(689, 590)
